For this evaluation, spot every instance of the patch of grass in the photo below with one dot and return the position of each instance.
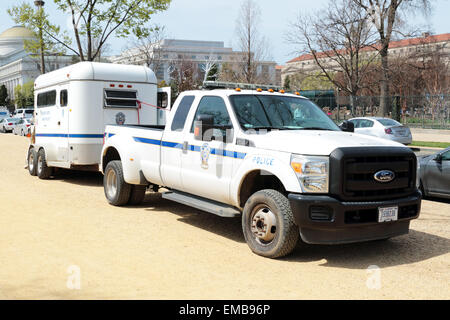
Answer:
(430, 144)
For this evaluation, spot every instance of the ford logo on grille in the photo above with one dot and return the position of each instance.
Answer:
(384, 176)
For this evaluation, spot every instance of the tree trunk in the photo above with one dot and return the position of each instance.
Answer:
(41, 44)
(384, 85)
(352, 104)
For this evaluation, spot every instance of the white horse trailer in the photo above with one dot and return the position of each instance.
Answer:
(74, 104)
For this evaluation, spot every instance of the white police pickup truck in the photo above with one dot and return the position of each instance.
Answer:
(275, 159)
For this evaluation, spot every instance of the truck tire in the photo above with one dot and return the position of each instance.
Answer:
(32, 161)
(137, 195)
(117, 191)
(42, 170)
(268, 224)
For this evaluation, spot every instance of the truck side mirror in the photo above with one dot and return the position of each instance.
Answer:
(203, 127)
(347, 126)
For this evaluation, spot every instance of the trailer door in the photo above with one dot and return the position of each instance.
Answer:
(63, 123)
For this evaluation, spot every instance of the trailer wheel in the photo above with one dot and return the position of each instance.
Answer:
(137, 194)
(32, 161)
(117, 191)
(268, 224)
(42, 170)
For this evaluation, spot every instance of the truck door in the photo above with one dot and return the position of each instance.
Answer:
(207, 165)
(172, 144)
(164, 103)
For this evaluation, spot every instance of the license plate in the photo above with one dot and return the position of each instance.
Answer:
(387, 214)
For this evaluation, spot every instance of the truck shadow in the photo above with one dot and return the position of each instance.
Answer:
(82, 178)
(415, 247)
(441, 200)
(225, 227)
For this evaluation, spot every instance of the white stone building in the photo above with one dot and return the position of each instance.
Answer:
(16, 65)
(199, 52)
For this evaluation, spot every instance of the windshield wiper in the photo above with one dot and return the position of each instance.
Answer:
(263, 128)
(315, 128)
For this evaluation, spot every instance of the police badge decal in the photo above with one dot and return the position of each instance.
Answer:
(120, 118)
(205, 150)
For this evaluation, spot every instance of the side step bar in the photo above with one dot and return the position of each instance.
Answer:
(207, 205)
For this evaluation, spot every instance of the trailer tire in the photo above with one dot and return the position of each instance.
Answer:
(32, 161)
(263, 211)
(137, 194)
(42, 170)
(117, 191)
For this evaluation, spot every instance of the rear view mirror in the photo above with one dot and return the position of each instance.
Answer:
(347, 126)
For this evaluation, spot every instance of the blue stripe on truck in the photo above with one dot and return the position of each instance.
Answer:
(65, 135)
(176, 145)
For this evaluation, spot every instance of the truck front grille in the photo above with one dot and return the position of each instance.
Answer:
(353, 170)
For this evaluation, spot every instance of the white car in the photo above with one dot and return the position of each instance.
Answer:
(23, 113)
(383, 128)
(22, 127)
(8, 124)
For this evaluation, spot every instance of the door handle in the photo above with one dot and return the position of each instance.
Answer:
(185, 146)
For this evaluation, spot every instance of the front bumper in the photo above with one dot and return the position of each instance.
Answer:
(326, 220)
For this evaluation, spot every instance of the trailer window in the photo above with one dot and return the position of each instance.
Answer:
(120, 99)
(63, 98)
(46, 99)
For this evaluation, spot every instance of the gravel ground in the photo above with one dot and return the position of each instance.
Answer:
(60, 235)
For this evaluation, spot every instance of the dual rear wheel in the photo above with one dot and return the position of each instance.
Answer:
(117, 191)
(37, 164)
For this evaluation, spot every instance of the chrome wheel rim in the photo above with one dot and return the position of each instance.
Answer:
(263, 225)
(31, 162)
(111, 184)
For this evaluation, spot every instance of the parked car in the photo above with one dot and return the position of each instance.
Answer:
(4, 113)
(435, 174)
(383, 128)
(8, 124)
(23, 113)
(22, 127)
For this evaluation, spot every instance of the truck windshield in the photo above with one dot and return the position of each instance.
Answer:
(279, 112)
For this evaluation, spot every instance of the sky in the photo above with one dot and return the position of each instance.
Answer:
(216, 20)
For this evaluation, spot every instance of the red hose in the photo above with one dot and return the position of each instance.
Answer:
(140, 103)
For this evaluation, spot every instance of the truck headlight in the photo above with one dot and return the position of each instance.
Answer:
(312, 172)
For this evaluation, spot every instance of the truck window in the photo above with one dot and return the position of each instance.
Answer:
(46, 99)
(120, 99)
(63, 98)
(182, 111)
(214, 106)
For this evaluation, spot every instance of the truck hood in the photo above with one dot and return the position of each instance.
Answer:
(315, 142)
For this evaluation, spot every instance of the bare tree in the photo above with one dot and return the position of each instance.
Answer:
(385, 15)
(250, 41)
(184, 74)
(340, 40)
(210, 68)
(149, 49)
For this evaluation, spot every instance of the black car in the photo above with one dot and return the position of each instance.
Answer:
(435, 174)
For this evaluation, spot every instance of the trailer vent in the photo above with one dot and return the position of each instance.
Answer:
(120, 99)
